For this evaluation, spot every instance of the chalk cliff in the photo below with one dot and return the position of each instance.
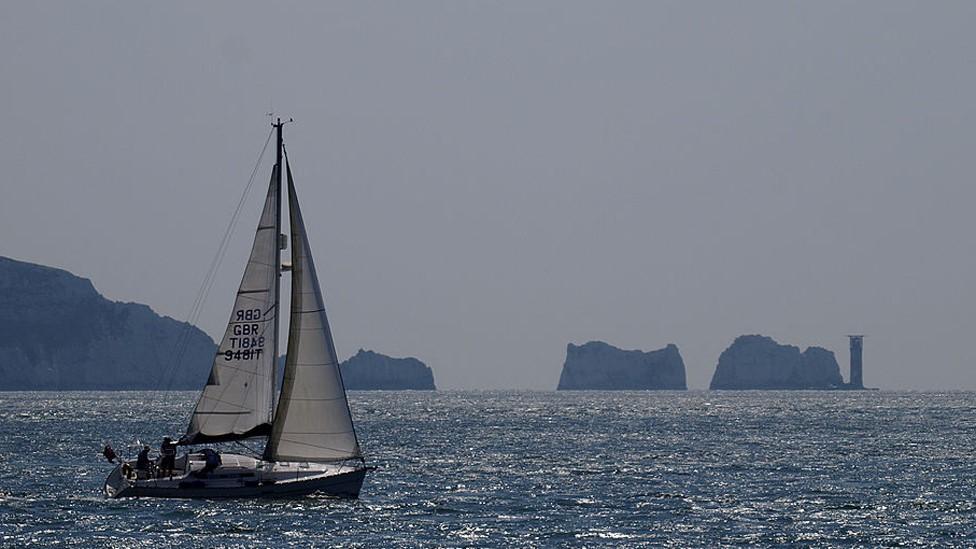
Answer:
(57, 332)
(759, 362)
(599, 366)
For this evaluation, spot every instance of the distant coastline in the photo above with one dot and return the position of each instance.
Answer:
(57, 333)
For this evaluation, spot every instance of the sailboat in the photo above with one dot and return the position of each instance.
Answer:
(310, 441)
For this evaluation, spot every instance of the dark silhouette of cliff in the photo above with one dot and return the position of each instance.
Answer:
(57, 332)
(758, 362)
(600, 366)
(370, 370)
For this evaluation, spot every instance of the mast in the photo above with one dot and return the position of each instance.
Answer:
(279, 125)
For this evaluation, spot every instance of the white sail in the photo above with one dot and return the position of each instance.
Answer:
(236, 402)
(312, 422)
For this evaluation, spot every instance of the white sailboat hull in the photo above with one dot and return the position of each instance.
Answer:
(241, 477)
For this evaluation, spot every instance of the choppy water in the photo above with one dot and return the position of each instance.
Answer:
(533, 469)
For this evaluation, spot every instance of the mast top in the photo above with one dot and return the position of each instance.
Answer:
(279, 123)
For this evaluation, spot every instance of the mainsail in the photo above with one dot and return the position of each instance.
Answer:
(236, 402)
(312, 422)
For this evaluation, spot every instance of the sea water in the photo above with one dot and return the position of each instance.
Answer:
(531, 469)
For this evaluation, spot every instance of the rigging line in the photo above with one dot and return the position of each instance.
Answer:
(226, 385)
(194, 313)
(214, 278)
(253, 453)
(210, 277)
(170, 372)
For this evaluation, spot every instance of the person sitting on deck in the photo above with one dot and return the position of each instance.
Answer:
(211, 460)
(167, 457)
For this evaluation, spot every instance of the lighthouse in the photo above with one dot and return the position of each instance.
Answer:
(857, 372)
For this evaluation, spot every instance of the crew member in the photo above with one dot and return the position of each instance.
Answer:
(142, 461)
(109, 453)
(167, 457)
(211, 460)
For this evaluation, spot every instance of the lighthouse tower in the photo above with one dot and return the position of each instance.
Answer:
(857, 372)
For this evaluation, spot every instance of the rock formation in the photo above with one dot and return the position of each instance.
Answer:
(373, 371)
(758, 362)
(599, 366)
(57, 332)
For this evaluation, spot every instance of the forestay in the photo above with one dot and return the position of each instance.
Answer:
(236, 402)
(312, 422)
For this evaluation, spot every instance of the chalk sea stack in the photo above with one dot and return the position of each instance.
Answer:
(368, 370)
(599, 366)
(58, 333)
(759, 362)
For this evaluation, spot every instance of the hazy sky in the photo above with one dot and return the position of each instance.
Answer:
(486, 182)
